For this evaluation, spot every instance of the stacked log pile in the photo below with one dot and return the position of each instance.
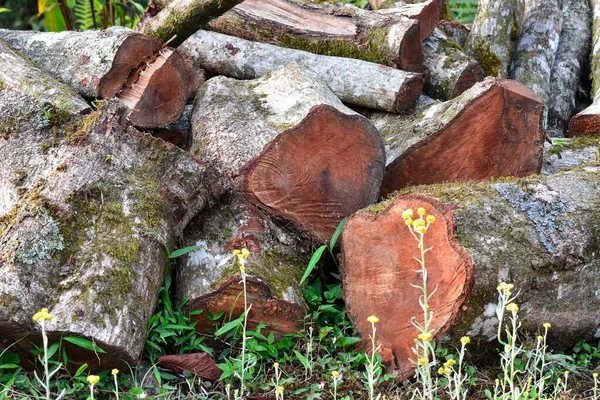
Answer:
(312, 114)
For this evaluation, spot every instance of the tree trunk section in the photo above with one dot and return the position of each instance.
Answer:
(448, 71)
(211, 280)
(290, 145)
(571, 57)
(181, 18)
(491, 130)
(490, 36)
(77, 198)
(426, 12)
(539, 233)
(386, 88)
(379, 270)
(392, 40)
(152, 81)
(534, 55)
(456, 32)
(587, 122)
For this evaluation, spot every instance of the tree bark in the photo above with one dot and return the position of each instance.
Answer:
(448, 71)
(152, 81)
(211, 280)
(181, 18)
(571, 57)
(534, 55)
(587, 122)
(392, 40)
(539, 233)
(490, 36)
(456, 32)
(426, 12)
(379, 273)
(291, 145)
(77, 199)
(491, 130)
(385, 89)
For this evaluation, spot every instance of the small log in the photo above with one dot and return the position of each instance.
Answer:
(448, 71)
(580, 152)
(426, 12)
(534, 55)
(571, 57)
(539, 233)
(152, 81)
(291, 145)
(211, 280)
(386, 89)
(199, 364)
(392, 40)
(181, 18)
(489, 40)
(456, 32)
(379, 270)
(587, 122)
(456, 140)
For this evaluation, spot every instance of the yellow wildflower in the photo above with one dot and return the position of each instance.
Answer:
(450, 363)
(276, 365)
(430, 219)
(242, 268)
(465, 340)
(424, 337)
(566, 373)
(595, 374)
(505, 287)
(513, 307)
(93, 379)
(373, 319)
(441, 371)
(421, 361)
(418, 222)
(406, 214)
(114, 371)
(421, 211)
(540, 338)
(280, 389)
(408, 221)
(335, 374)
(547, 325)
(421, 229)
(43, 314)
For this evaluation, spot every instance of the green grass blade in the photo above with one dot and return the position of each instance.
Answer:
(313, 261)
(83, 343)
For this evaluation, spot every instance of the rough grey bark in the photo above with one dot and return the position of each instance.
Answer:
(392, 40)
(426, 12)
(540, 233)
(94, 63)
(181, 18)
(385, 88)
(571, 57)
(456, 32)
(260, 135)
(20, 77)
(574, 152)
(448, 71)
(538, 40)
(209, 277)
(490, 36)
(76, 200)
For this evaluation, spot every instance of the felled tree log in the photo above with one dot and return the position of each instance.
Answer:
(426, 12)
(386, 89)
(378, 270)
(587, 122)
(152, 81)
(455, 140)
(490, 36)
(456, 32)
(211, 280)
(78, 197)
(577, 152)
(181, 18)
(290, 145)
(534, 55)
(448, 71)
(392, 40)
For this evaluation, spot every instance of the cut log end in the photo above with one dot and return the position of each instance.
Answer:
(379, 271)
(303, 173)
(157, 92)
(409, 93)
(470, 76)
(586, 122)
(410, 54)
(280, 316)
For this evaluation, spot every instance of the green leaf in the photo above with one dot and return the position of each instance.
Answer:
(348, 341)
(3, 10)
(9, 366)
(185, 250)
(228, 327)
(313, 261)
(337, 232)
(81, 369)
(83, 343)
(325, 331)
(70, 4)
(303, 360)
(51, 351)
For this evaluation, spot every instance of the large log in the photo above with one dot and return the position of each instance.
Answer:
(489, 40)
(539, 233)
(570, 60)
(587, 122)
(151, 80)
(291, 145)
(448, 71)
(392, 40)
(426, 12)
(536, 48)
(491, 130)
(76, 202)
(211, 281)
(386, 88)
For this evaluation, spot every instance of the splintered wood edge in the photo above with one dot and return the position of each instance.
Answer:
(314, 224)
(281, 316)
(464, 256)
